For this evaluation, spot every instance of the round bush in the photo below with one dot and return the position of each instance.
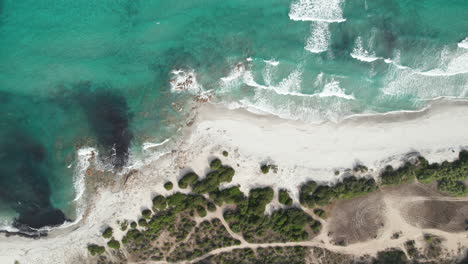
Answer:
(168, 185)
(107, 233)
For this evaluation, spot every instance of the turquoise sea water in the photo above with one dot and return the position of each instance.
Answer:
(105, 74)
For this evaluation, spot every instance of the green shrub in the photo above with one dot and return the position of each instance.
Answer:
(450, 176)
(201, 211)
(113, 244)
(312, 195)
(159, 203)
(360, 168)
(168, 186)
(232, 195)
(265, 168)
(316, 226)
(212, 180)
(95, 249)
(142, 222)
(284, 198)
(180, 202)
(108, 232)
(211, 207)
(215, 164)
(124, 225)
(133, 225)
(391, 256)
(188, 179)
(225, 153)
(146, 213)
(258, 199)
(320, 213)
(226, 173)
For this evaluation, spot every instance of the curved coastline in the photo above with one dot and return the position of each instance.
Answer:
(195, 139)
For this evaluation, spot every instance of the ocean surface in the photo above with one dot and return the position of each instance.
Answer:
(114, 74)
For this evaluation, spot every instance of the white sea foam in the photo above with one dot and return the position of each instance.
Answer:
(148, 145)
(333, 89)
(272, 62)
(317, 10)
(463, 44)
(360, 53)
(84, 155)
(457, 63)
(319, 38)
(184, 80)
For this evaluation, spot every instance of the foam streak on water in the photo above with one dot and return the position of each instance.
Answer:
(317, 10)
(319, 38)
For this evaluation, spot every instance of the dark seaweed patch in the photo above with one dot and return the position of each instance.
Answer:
(24, 166)
(23, 177)
(109, 117)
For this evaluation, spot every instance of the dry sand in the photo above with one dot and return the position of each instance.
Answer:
(301, 151)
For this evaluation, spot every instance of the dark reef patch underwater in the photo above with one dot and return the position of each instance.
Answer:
(36, 144)
(89, 73)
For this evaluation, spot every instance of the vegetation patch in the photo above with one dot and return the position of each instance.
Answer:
(450, 176)
(113, 244)
(284, 198)
(95, 249)
(265, 168)
(108, 232)
(249, 219)
(312, 195)
(168, 186)
(411, 249)
(187, 180)
(320, 213)
(209, 235)
(272, 255)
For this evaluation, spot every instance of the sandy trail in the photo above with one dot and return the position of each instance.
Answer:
(302, 151)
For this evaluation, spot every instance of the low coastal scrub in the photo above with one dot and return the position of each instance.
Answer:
(168, 186)
(213, 179)
(187, 180)
(95, 249)
(169, 231)
(108, 232)
(113, 244)
(284, 198)
(320, 213)
(313, 195)
(449, 175)
(265, 168)
(249, 219)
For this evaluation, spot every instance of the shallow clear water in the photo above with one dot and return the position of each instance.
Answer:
(97, 73)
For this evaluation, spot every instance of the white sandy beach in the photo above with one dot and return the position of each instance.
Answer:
(301, 151)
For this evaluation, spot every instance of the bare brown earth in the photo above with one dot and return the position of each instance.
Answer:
(358, 219)
(419, 206)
